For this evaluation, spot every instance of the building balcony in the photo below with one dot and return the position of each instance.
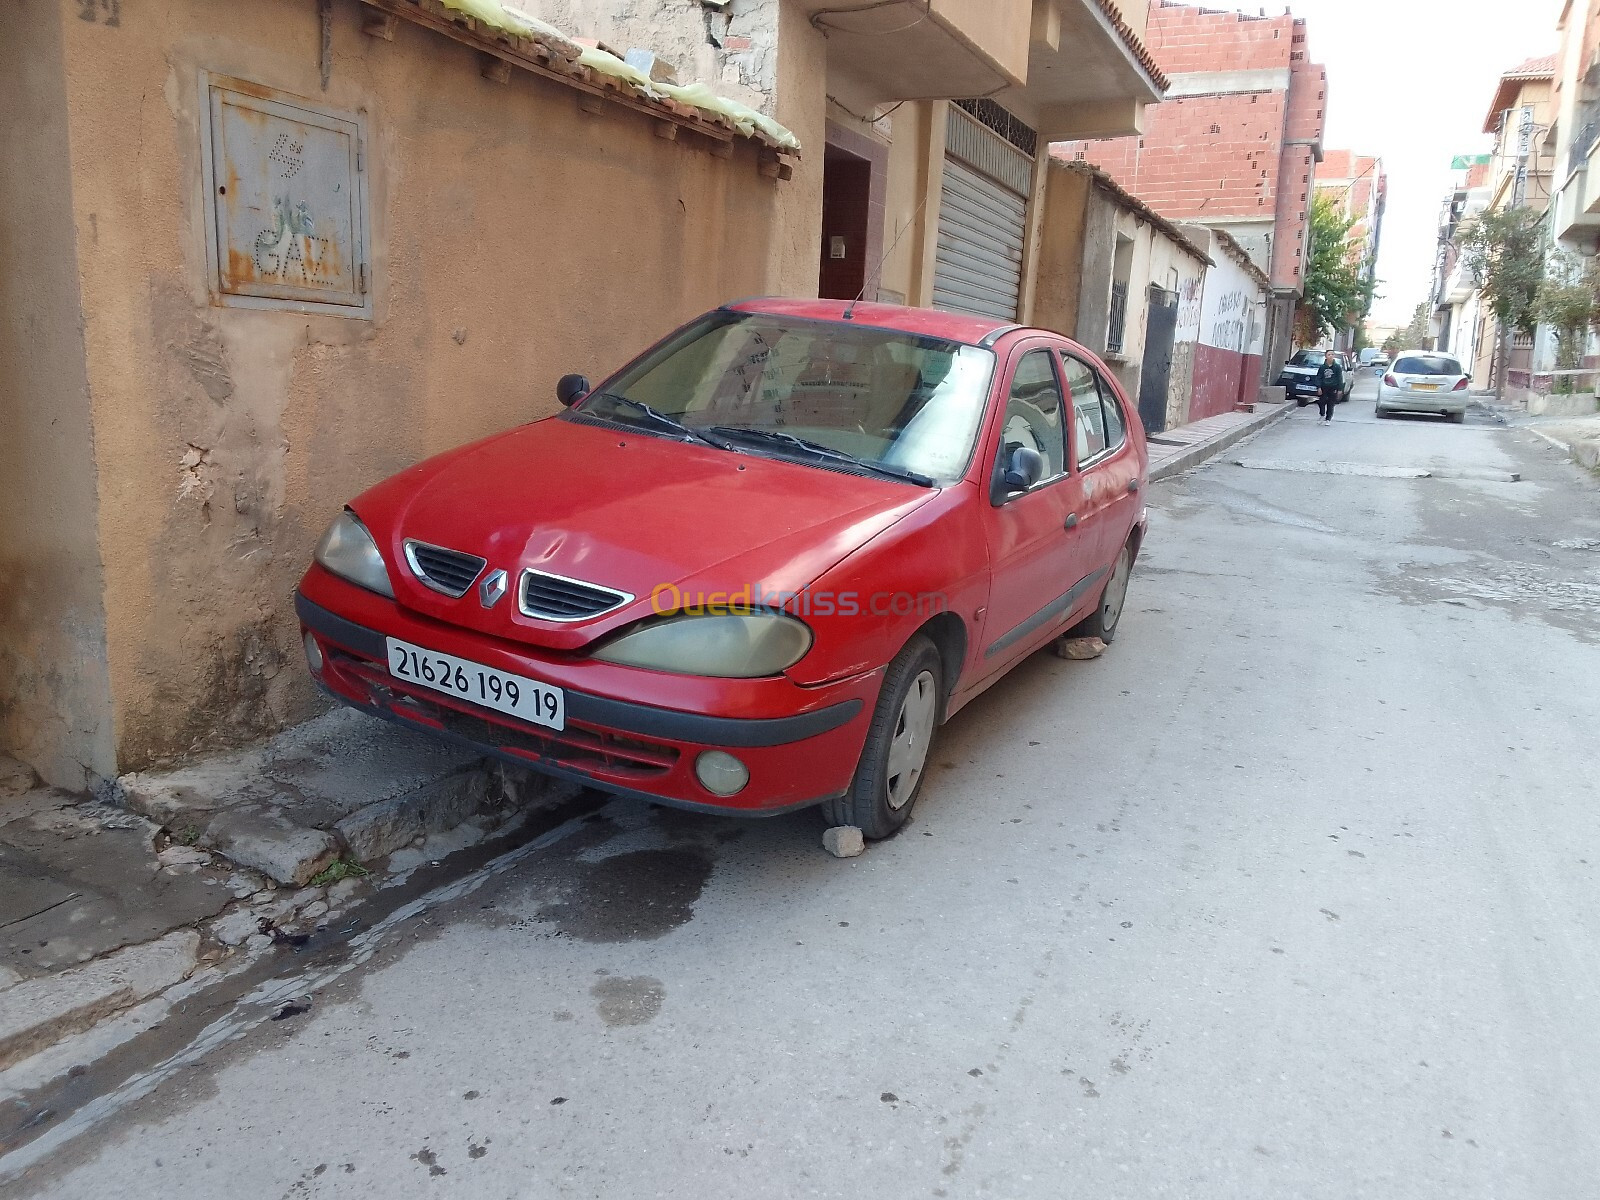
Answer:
(1069, 68)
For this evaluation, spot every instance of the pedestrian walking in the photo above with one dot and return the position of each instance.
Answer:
(1330, 387)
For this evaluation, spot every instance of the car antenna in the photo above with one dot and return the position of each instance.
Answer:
(850, 309)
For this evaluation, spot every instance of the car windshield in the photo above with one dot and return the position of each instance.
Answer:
(1306, 358)
(890, 400)
(1427, 364)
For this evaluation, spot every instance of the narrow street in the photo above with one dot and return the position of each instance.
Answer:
(1286, 895)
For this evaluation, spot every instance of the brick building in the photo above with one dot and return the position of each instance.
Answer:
(1357, 185)
(1234, 144)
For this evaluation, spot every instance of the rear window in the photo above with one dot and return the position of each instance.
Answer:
(1427, 364)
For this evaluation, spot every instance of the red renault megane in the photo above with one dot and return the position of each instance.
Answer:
(753, 570)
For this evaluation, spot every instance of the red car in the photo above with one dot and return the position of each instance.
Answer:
(753, 570)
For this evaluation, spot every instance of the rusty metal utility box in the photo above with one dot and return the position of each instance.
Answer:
(285, 201)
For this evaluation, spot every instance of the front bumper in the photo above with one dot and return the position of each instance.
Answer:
(799, 744)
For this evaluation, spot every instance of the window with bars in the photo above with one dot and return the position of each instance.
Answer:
(1006, 124)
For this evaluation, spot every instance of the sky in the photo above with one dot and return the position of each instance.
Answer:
(1412, 80)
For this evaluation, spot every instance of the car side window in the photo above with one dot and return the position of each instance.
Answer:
(1034, 416)
(1088, 418)
(1116, 423)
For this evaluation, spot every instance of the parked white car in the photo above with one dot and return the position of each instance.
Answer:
(1425, 382)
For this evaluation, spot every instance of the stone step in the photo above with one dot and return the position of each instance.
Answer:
(39, 1012)
(343, 785)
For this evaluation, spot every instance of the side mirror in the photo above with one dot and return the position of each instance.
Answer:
(571, 388)
(1022, 467)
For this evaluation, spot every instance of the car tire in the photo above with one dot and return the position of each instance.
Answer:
(1379, 411)
(1457, 418)
(904, 722)
(1107, 615)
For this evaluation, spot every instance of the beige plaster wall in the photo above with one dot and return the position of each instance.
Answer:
(1061, 251)
(55, 704)
(998, 29)
(913, 170)
(514, 238)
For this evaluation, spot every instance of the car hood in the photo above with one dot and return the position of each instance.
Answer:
(662, 520)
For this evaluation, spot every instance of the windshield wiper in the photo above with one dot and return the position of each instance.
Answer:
(661, 418)
(818, 450)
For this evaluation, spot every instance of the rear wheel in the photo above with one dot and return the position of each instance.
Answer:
(1103, 622)
(893, 762)
(1379, 411)
(1457, 418)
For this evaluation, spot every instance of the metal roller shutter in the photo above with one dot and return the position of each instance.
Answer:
(983, 213)
(978, 266)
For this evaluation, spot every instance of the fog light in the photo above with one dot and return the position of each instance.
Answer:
(313, 655)
(721, 773)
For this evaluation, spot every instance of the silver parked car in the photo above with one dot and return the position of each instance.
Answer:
(1424, 382)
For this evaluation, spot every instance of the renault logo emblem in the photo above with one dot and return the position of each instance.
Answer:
(492, 588)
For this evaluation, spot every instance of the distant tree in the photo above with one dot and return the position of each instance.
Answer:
(1336, 295)
(1412, 336)
(1504, 250)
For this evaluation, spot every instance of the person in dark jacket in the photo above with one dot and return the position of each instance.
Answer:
(1330, 387)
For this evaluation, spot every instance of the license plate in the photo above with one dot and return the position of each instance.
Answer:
(515, 695)
(1424, 387)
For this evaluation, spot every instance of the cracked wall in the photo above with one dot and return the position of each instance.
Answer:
(55, 704)
(735, 51)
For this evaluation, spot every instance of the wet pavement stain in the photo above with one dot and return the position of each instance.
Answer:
(430, 1160)
(628, 1000)
(636, 896)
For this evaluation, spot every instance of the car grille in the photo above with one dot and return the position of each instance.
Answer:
(557, 598)
(448, 571)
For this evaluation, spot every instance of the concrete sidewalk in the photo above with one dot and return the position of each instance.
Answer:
(1578, 436)
(1175, 450)
(111, 912)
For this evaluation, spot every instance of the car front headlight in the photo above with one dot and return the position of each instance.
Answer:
(730, 646)
(347, 550)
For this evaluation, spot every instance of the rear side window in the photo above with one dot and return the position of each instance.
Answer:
(1033, 413)
(1088, 417)
(1427, 364)
(1116, 426)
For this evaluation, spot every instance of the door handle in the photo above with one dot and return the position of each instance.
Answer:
(1133, 485)
(1072, 521)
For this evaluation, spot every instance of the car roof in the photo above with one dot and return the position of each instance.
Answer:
(922, 322)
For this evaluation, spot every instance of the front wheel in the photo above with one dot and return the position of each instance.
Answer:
(1103, 622)
(894, 761)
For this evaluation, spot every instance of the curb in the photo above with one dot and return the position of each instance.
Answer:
(1193, 456)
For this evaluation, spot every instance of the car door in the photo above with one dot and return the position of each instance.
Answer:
(1035, 544)
(1107, 466)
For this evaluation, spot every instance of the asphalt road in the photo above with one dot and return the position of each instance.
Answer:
(1294, 893)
